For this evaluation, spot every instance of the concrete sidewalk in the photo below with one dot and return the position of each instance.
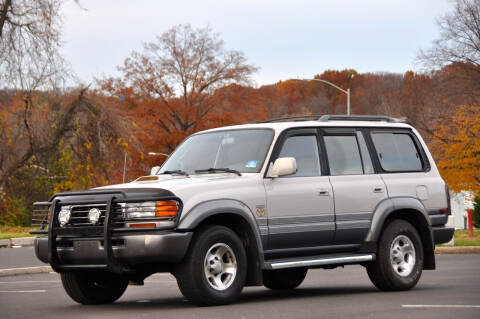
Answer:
(21, 241)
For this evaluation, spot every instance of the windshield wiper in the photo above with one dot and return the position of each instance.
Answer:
(214, 170)
(176, 172)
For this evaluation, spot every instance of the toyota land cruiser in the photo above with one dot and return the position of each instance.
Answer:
(257, 204)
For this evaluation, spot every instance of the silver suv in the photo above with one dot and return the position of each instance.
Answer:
(257, 204)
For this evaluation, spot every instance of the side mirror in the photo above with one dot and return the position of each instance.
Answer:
(154, 170)
(283, 166)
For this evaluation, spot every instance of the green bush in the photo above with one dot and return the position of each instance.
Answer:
(476, 212)
(17, 213)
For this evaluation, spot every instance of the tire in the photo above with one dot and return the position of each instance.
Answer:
(93, 288)
(397, 267)
(215, 268)
(284, 279)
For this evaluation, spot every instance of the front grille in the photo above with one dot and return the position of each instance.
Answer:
(79, 215)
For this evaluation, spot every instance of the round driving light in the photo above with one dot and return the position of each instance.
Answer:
(64, 217)
(94, 215)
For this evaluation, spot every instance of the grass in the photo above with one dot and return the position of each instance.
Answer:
(7, 232)
(462, 238)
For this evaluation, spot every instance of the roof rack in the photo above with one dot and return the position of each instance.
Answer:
(328, 118)
(293, 118)
(379, 118)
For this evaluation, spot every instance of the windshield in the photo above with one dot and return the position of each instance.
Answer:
(240, 150)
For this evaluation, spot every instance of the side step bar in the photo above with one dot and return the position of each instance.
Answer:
(325, 260)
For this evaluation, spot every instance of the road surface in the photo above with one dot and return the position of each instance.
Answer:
(451, 291)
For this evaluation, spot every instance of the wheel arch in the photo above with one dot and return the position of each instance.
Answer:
(409, 209)
(238, 217)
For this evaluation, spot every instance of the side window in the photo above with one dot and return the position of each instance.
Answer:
(367, 160)
(397, 152)
(305, 151)
(343, 155)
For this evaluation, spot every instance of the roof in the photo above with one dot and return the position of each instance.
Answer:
(329, 121)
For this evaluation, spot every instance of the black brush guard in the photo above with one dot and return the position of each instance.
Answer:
(106, 231)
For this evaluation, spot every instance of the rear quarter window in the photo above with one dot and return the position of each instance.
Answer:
(397, 152)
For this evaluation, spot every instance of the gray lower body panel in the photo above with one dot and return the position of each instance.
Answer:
(442, 235)
(166, 247)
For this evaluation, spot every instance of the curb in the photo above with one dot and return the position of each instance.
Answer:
(25, 271)
(20, 241)
(5, 243)
(457, 250)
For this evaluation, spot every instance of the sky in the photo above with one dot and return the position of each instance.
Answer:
(285, 39)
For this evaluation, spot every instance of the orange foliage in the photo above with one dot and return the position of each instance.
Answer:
(457, 146)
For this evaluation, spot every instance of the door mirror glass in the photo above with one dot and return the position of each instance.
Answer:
(283, 166)
(154, 170)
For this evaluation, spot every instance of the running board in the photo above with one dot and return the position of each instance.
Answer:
(322, 260)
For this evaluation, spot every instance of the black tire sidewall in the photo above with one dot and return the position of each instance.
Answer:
(91, 288)
(202, 242)
(284, 279)
(394, 229)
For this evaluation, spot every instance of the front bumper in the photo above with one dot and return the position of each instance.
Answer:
(117, 249)
(163, 248)
(442, 235)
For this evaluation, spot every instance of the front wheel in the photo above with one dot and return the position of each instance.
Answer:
(214, 269)
(399, 260)
(93, 288)
(284, 279)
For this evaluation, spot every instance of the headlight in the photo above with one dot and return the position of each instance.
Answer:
(64, 215)
(160, 209)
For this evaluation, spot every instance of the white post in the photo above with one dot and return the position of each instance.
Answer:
(124, 167)
(348, 101)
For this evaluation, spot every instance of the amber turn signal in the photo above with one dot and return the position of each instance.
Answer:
(149, 225)
(166, 209)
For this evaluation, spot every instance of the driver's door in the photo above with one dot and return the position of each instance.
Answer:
(300, 206)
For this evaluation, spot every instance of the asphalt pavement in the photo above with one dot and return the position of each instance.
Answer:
(18, 257)
(451, 291)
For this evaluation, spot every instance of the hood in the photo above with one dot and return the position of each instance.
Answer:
(175, 183)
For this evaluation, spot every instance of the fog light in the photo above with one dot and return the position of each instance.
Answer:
(94, 215)
(64, 217)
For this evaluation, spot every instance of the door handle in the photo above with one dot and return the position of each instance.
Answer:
(323, 192)
(378, 190)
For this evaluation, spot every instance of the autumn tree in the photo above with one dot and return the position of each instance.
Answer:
(30, 39)
(377, 93)
(337, 100)
(457, 147)
(77, 142)
(29, 61)
(458, 44)
(459, 39)
(174, 79)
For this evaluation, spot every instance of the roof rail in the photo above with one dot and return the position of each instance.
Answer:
(379, 118)
(292, 118)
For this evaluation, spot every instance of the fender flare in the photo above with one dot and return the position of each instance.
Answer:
(204, 210)
(392, 205)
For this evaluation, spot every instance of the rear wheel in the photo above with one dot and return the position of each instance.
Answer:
(214, 269)
(92, 288)
(284, 279)
(399, 261)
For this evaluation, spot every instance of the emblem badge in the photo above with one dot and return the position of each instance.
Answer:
(261, 211)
